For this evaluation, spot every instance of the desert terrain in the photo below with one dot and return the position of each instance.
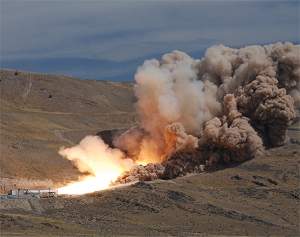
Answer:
(40, 113)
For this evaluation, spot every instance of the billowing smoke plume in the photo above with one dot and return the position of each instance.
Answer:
(223, 140)
(92, 154)
(260, 76)
(287, 57)
(219, 109)
(102, 164)
(225, 105)
(172, 105)
(186, 92)
(270, 109)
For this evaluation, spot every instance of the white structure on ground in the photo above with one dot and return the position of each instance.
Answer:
(32, 193)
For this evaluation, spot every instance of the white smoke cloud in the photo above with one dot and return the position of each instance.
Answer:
(216, 104)
(103, 163)
(94, 156)
(170, 91)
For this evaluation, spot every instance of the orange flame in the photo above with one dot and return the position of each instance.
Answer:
(103, 163)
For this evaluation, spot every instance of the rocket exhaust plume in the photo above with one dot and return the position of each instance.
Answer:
(103, 163)
(195, 113)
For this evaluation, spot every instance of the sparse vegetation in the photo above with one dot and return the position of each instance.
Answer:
(258, 197)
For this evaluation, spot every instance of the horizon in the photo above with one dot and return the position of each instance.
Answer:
(109, 40)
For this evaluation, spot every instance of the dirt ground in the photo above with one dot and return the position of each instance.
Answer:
(40, 113)
(258, 197)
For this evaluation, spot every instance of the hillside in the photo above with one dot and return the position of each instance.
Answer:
(258, 198)
(40, 113)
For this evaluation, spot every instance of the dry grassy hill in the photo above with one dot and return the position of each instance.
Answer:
(40, 113)
(260, 197)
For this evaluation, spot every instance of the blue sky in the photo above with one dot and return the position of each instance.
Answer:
(109, 39)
